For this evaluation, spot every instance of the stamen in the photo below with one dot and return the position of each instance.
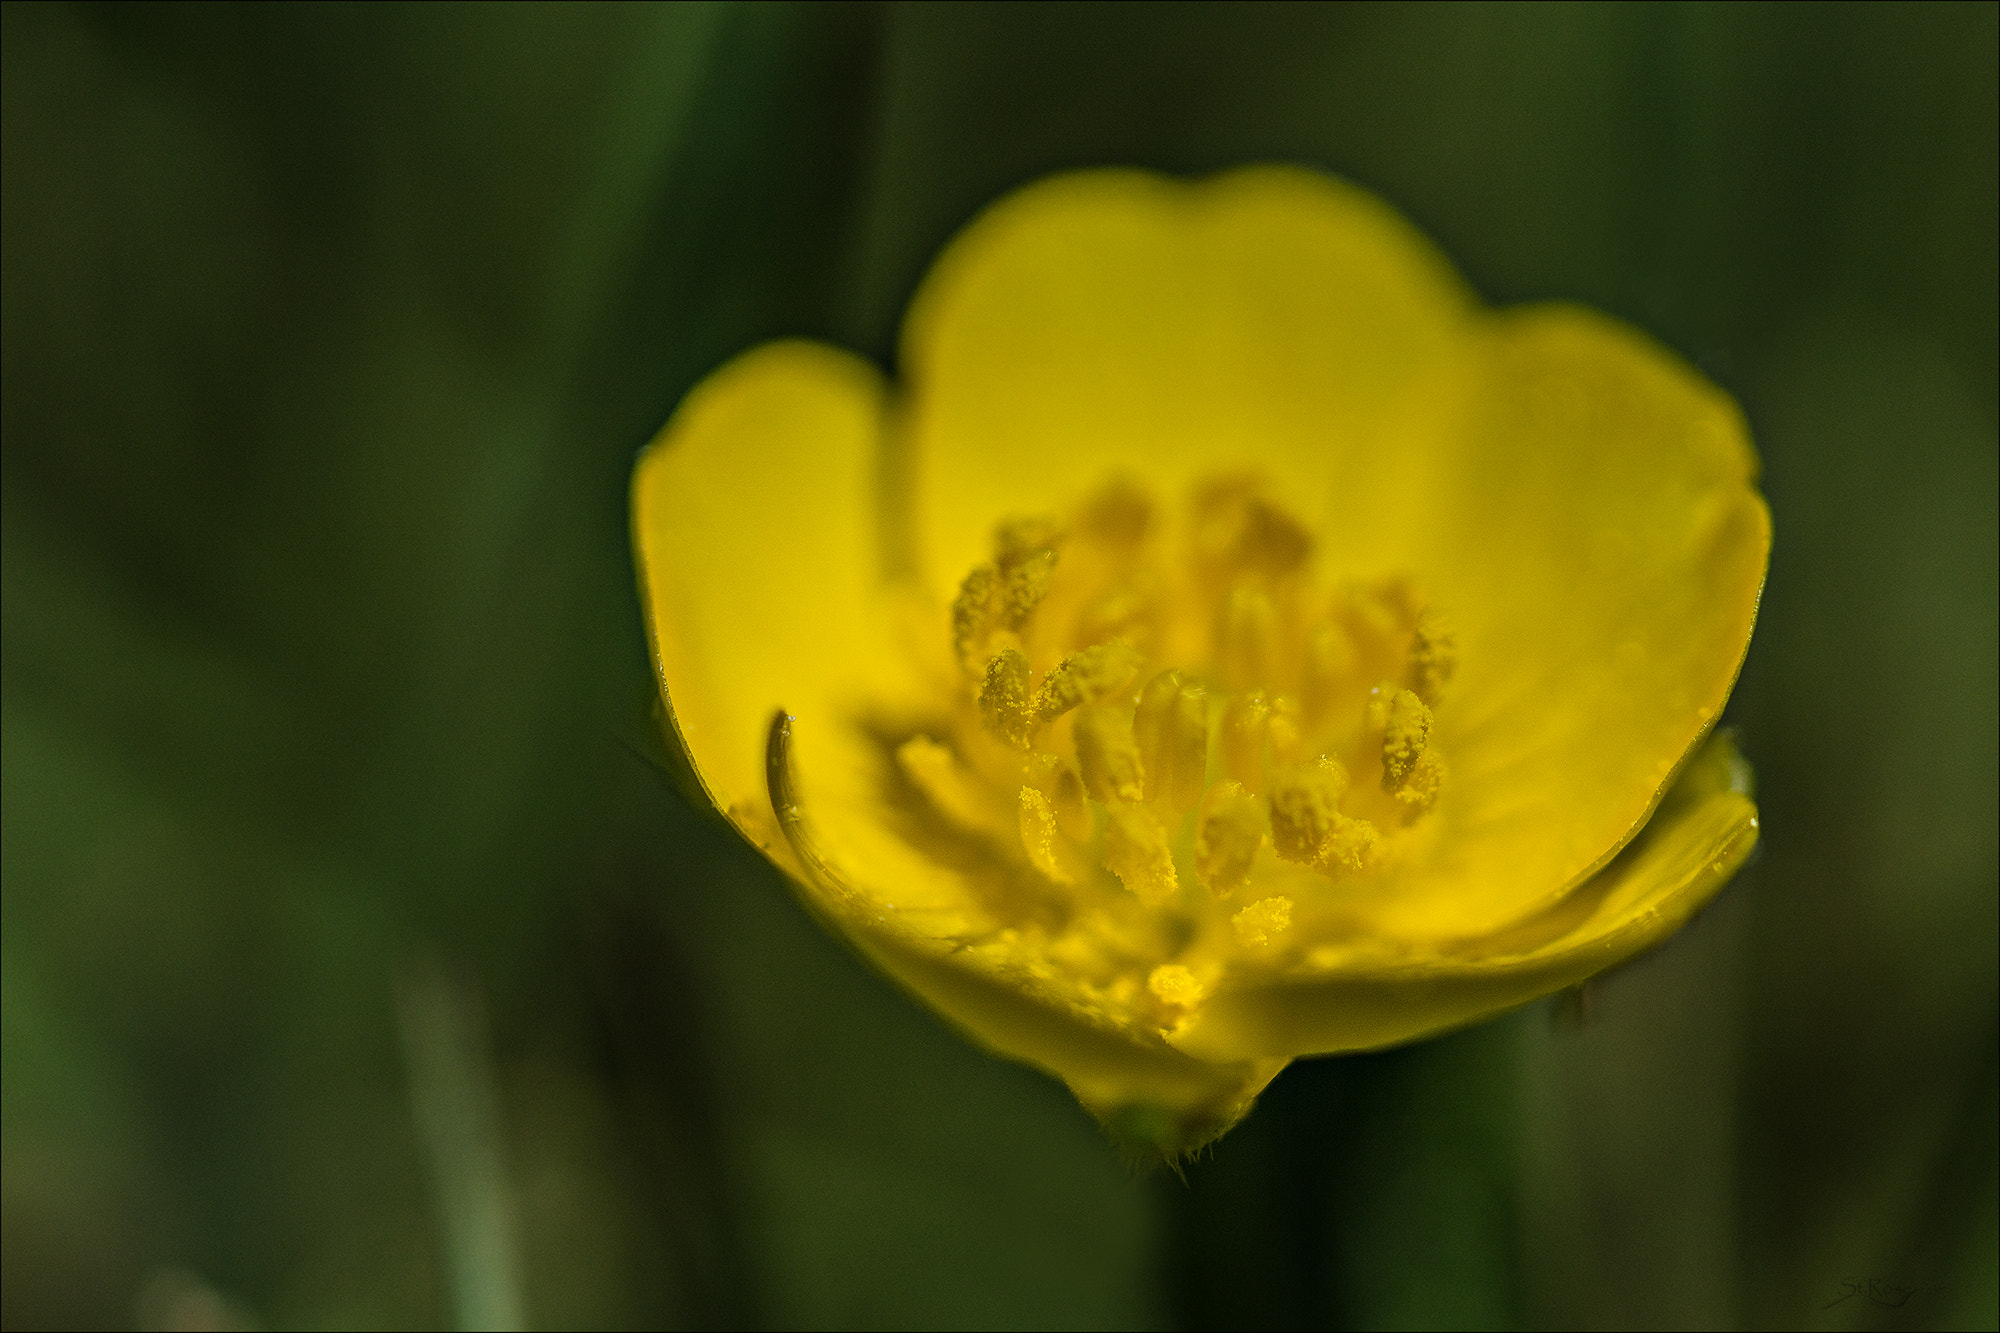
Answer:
(1246, 647)
(1109, 756)
(1175, 985)
(1419, 792)
(1433, 657)
(1018, 538)
(1117, 517)
(1236, 528)
(973, 614)
(1024, 583)
(1003, 698)
(1350, 847)
(1283, 743)
(1057, 779)
(1375, 713)
(1085, 677)
(1241, 738)
(1404, 732)
(1305, 806)
(1260, 921)
(1400, 599)
(1378, 629)
(1136, 850)
(1171, 726)
(1059, 784)
(1331, 664)
(1123, 612)
(1109, 751)
(1041, 836)
(1226, 842)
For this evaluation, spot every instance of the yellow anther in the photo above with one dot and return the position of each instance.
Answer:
(1024, 583)
(1041, 836)
(1375, 713)
(1277, 542)
(1171, 726)
(1262, 921)
(1125, 611)
(1305, 808)
(1240, 738)
(1003, 697)
(1018, 538)
(1419, 792)
(973, 615)
(1284, 745)
(1175, 985)
(1085, 677)
(1218, 504)
(1379, 630)
(1226, 841)
(947, 784)
(1330, 667)
(1057, 780)
(1109, 756)
(1349, 848)
(1404, 733)
(1235, 528)
(1401, 600)
(1117, 517)
(1246, 638)
(1433, 657)
(1136, 850)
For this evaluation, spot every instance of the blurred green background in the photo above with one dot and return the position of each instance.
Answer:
(360, 967)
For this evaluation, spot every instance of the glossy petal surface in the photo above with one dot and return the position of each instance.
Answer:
(1368, 996)
(1270, 317)
(1580, 503)
(753, 517)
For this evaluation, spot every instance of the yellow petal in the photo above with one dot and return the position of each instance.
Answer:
(1580, 502)
(1191, 1100)
(753, 520)
(1587, 513)
(1114, 321)
(1577, 504)
(1003, 998)
(753, 515)
(1371, 998)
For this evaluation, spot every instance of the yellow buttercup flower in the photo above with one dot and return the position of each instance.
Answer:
(1227, 642)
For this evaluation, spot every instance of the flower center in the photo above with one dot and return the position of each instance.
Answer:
(1186, 723)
